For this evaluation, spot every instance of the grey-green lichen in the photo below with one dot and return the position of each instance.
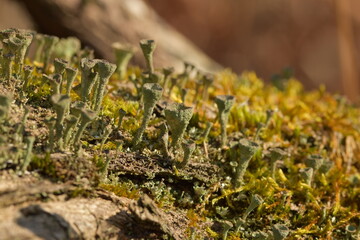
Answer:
(123, 54)
(151, 93)
(245, 150)
(177, 117)
(61, 104)
(148, 47)
(104, 70)
(224, 104)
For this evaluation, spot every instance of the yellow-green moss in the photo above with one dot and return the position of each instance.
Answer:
(122, 189)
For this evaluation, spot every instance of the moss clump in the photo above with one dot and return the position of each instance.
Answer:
(122, 189)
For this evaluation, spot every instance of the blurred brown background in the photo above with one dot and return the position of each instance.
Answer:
(318, 39)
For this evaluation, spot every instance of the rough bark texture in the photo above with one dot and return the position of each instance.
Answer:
(32, 208)
(99, 23)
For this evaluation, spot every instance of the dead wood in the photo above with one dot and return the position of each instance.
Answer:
(32, 208)
(99, 23)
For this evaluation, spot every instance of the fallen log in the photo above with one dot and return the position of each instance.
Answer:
(99, 23)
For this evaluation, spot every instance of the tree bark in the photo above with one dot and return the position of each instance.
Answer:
(99, 23)
(39, 209)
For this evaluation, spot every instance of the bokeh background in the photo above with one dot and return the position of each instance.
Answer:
(319, 40)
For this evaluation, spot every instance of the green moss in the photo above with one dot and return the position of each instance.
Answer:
(107, 146)
(122, 189)
(112, 106)
(45, 165)
(38, 91)
(79, 192)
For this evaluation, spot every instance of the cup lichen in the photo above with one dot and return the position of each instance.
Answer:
(224, 104)
(123, 54)
(148, 47)
(151, 93)
(246, 150)
(178, 117)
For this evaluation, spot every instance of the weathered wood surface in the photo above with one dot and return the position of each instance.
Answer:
(99, 23)
(32, 208)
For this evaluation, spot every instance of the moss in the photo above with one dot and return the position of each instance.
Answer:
(79, 192)
(123, 189)
(112, 106)
(45, 165)
(107, 146)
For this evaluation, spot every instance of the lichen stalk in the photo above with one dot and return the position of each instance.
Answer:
(178, 117)
(71, 122)
(188, 149)
(148, 48)
(88, 78)
(123, 54)
(28, 70)
(30, 143)
(48, 48)
(70, 77)
(61, 105)
(224, 104)
(105, 70)
(87, 116)
(122, 114)
(256, 201)
(246, 150)
(151, 93)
